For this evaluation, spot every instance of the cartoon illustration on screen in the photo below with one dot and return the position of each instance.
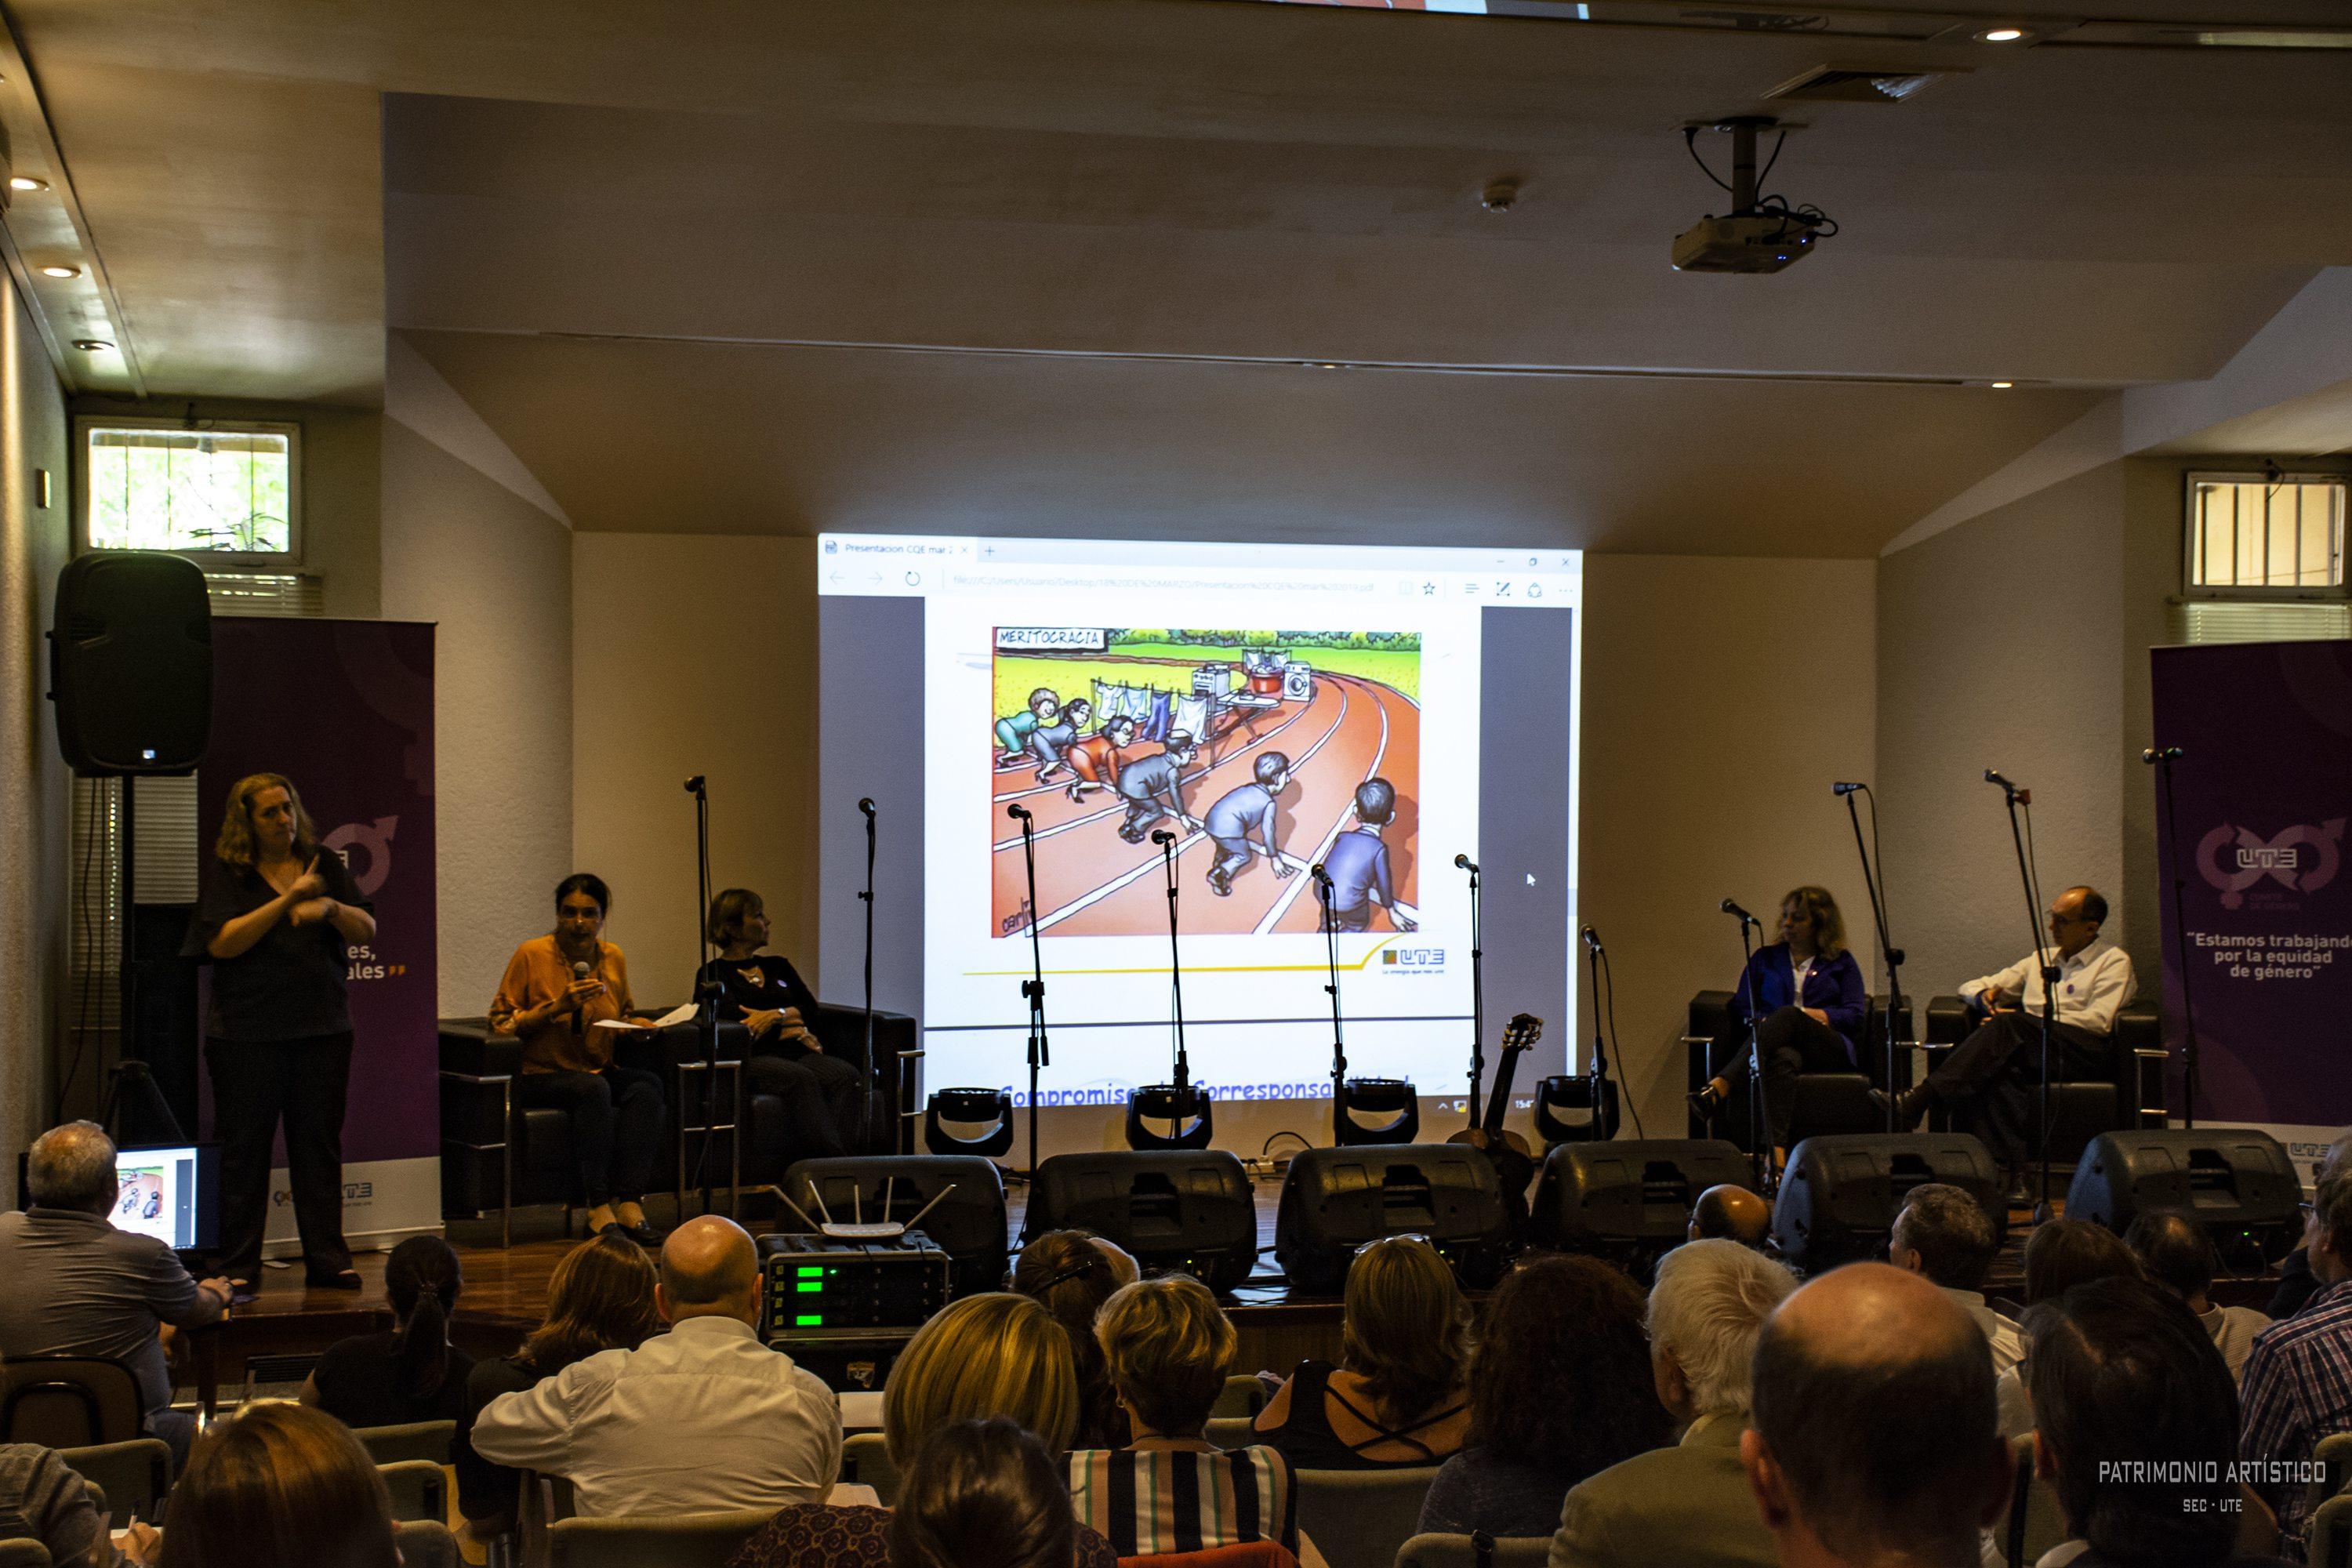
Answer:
(1265, 752)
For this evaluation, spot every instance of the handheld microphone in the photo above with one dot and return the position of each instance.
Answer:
(1847, 788)
(866, 804)
(1466, 864)
(579, 970)
(2165, 755)
(1591, 939)
(694, 784)
(1017, 812)
(1730, 907)
(1162, 836)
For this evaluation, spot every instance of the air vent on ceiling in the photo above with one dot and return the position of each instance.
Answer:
(1845, 84)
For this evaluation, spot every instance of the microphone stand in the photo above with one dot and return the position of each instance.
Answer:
(706, 1004)
(1760, 1115)
(2163, 759)
(1477, 990)
(1034, 986)
(865, 1108)
(2042, 951)
(1894, 954)
(1339, 1051)
(1176, 982)
(1602, 1120)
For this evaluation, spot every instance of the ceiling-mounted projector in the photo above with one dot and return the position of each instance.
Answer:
(1756, 236)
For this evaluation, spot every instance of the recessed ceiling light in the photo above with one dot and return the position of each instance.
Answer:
(27, 182)
(2000, 385)
(2001, 35)
(92, 345)
(59, 269)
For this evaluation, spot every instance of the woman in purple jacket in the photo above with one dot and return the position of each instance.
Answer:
(1806, 990)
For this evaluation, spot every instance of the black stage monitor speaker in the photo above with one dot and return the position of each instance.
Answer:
(1186, 1209)
(1335, 1199)
(2238, 1182)
(1629, 1201)
(968, 1224)
(131, 663)
(969, 1122)
(1841, 1192)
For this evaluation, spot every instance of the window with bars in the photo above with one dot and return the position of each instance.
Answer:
(2265, 536)
(220, 488)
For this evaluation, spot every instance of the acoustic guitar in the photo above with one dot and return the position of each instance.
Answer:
(1515, 1165)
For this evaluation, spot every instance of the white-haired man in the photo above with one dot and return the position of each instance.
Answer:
(1687, 1506)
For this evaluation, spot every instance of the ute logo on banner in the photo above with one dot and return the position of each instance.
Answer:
(2279, 858)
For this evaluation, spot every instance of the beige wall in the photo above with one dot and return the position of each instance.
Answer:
(2003, 645)
(32, 781)
(695, 654)
(1722, 698)
(495, 572)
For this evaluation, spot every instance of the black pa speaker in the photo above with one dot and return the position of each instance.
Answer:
(1629, 1201)
(2238, 1182)
(1841, 1192)
(967, 1224)
(1190, 1210)
(131, 663)
(1335, 1199)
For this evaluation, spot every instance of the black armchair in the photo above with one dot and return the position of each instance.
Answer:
(1826, 1102)
(2128, 1093)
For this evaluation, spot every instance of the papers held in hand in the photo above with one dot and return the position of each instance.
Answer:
(683, 1013)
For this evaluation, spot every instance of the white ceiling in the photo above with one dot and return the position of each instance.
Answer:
(565, 204)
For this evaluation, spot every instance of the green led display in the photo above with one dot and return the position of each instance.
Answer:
(810, 1271)
(808, 1320)
(811, 1287)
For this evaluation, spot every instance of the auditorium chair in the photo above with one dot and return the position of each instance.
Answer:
(1826, 1102)
(1360, 1519)
(2128, 1093)
(1478, 1550)
(69, 1402)
(496, 1156)
(134, 1476)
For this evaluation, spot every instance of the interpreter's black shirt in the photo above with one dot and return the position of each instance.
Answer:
(289, 984)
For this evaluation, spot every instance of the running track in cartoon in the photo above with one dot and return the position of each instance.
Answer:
(1091, 883)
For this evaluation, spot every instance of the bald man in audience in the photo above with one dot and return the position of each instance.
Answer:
(700, 1419)
(1731, 1213)
(1687, 1506)
(1874, 1441)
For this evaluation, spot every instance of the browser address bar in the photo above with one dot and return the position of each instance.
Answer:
(980, 580)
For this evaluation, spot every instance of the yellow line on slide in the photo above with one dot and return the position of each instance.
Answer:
(1363, 963)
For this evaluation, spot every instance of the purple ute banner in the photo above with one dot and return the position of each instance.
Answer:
(2264, 796)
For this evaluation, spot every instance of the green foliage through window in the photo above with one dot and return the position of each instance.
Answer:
(153, 488)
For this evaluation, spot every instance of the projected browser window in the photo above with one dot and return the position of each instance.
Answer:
(1268, 709)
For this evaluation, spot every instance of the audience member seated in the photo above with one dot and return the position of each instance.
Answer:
(1072, 1277)
(2060, 1255)
(413, 1373)
(1875, 1442)
(77, 1286)
(2295, 1284)
(1559, 1388)
(1168, 1347)
(1945, 1236)
(2176, 1252)
(994, 1354)
(556, 993)
(41, 1500)
(279, 1486)
(702, 1418)
(984, 1494)
(1730, 1214)
(600, 1297)
(2298, 1380)
(2126, 1384)
(1396, 1398)
(1687, 1506)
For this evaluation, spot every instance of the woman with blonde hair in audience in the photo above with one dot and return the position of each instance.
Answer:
(991, 1355)
(1168, 1346)
(279, 1486)
(1396, 1397)
(600, 1297)
(1072, 1277)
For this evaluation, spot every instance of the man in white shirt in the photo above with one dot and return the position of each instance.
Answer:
(1944, 1235)
(700, 1419)
(1982, 1082)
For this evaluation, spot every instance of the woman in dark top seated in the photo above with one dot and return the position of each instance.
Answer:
(600, 1297)
(1807, 991)
(413, 1373)
(763, 993)
(1560, 1389)
(1396, 1398)
(1072, 1277)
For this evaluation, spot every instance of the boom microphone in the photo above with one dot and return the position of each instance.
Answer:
(694, 784)
(1466, 864)
(1017, 812)
(2166, 755)
(866, 804)
(1847, 788)
(1162, 836)
(1591, 939)
(1321, 875)
(1730, 907)
(1992, 775)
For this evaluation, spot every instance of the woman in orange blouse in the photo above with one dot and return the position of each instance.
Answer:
(557, 989)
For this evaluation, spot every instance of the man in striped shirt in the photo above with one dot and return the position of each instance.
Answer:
(2298, 1383)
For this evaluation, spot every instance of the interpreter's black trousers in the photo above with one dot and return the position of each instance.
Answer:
(255, 1085)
